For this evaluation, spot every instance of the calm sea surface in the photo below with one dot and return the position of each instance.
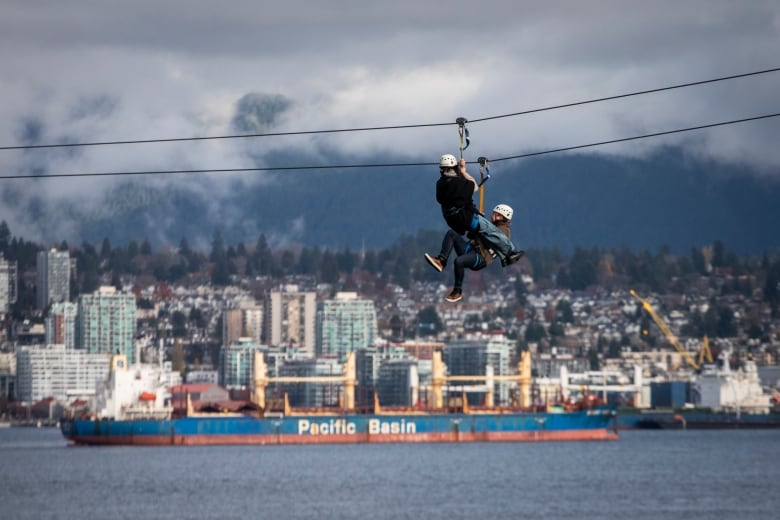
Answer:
(646, 474)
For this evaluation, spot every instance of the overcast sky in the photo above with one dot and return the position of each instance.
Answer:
(101, 70)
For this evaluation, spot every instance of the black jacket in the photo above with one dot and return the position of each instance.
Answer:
(457, 207)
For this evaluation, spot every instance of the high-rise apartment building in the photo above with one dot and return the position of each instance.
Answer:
(232, 326)
(53, 278)
(473, 357)
(290, 318)
(8, 375)
(61, 324)
(345, 324)
(368, 365)
(54, 371)
(106, 322)
(236, 367)
(252, 318)
(8, 284)
(398, 383)
(307, 393)
(246, 321)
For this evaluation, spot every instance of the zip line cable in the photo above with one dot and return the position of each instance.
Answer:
(215, 137)
(620, 96)
(634, 138)
(390, 127)
(388, 165)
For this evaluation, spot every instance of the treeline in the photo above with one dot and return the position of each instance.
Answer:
(658, 272)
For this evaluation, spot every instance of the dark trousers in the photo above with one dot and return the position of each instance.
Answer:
(468, 257)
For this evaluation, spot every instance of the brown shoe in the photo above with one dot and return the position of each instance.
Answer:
(435, 261)
(455, 295)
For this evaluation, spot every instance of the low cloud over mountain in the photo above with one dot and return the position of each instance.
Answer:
(559, 202)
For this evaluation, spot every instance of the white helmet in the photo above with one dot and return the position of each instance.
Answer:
(448, 161)
(503, 209)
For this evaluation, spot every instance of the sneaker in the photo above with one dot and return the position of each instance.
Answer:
(512, 257)
(435, 261)
(455, 295)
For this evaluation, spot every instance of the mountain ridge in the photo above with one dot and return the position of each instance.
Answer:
(565, 202)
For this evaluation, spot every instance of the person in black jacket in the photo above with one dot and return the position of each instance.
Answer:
(454, 191)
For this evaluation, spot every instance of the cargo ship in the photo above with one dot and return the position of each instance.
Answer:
(694, 419)
(710, 421)
(717, 398)
(146, 418)
(594, 424)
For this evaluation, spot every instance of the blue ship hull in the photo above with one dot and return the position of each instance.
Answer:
(595, 424)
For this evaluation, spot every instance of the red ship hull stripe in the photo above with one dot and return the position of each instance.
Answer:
(205, 440)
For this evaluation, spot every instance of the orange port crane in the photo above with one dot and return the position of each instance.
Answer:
(668, 332)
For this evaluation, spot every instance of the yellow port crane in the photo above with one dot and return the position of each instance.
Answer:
(705, 354)
(668, 332)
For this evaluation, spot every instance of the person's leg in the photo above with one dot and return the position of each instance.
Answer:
(459, 268)
(468, 260)
(459, 243)
(447, 244)
(451, 240)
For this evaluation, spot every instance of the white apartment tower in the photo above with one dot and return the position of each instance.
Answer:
(345, 324)
(8, 284)
(61, 324)
(53, 278)
(291, 318)
(106, 322)
(237, 364)
(54, 371)
(252, 321)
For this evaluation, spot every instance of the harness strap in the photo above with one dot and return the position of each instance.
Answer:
(474, 223)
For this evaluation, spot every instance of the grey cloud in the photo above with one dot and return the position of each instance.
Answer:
(98, 71)
(30, 131)
(99, 106)
(256, 112)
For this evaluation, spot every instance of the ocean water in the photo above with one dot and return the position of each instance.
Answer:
(645, 475)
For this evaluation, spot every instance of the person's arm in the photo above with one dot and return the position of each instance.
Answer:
(463, 173)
